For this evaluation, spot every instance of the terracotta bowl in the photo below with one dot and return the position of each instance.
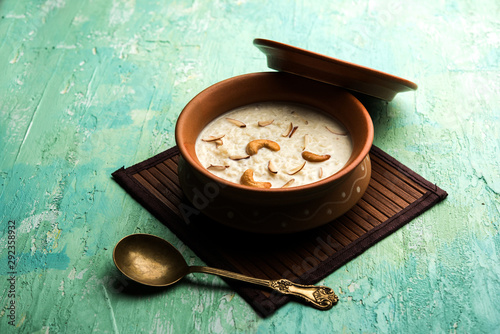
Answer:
(272, 210)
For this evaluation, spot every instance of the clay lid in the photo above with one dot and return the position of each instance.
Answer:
(287, 58)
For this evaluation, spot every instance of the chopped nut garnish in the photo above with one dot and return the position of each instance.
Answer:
(238, 157)
(296, 169)
(293, 131)
(218, 142)
(288, 184)
(306, 141)
(212, 138)
(272, 168)
(265, 123)
(320, 173)
(236, 122)
(336, 132)
(288, 130)
(217, 167)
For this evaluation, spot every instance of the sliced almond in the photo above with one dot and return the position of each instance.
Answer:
(265, 123)
(288, 184)
(272, 168)
(236, 122)
(312, 157)
(336, 132)
(306, 141)
(296, 169)
(212, 138)
(217, 167)
(288, 130)
(239, 157)
(293, 131)
(320, 172)
(218, 142)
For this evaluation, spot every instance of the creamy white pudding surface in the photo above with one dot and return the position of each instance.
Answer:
(222, 145)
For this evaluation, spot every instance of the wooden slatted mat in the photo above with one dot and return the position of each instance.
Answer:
(395, 195)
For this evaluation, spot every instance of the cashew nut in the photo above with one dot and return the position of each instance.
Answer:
(312, 157)
(247, 180)
(255, 145)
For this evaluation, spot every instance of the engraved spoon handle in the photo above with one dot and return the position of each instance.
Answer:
(321, 297)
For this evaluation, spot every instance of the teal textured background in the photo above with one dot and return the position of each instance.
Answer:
(90, 86)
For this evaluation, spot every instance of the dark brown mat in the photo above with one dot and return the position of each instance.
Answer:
(395, 195)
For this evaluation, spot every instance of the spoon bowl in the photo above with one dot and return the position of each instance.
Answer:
(149, 260)
(153, 261)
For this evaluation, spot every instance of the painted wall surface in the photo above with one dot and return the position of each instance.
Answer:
(89, 86)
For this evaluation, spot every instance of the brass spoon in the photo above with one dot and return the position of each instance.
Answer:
(150, 260)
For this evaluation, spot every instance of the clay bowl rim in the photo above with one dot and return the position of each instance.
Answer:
(189, 110)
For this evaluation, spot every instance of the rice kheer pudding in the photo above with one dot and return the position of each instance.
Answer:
(274, 145)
